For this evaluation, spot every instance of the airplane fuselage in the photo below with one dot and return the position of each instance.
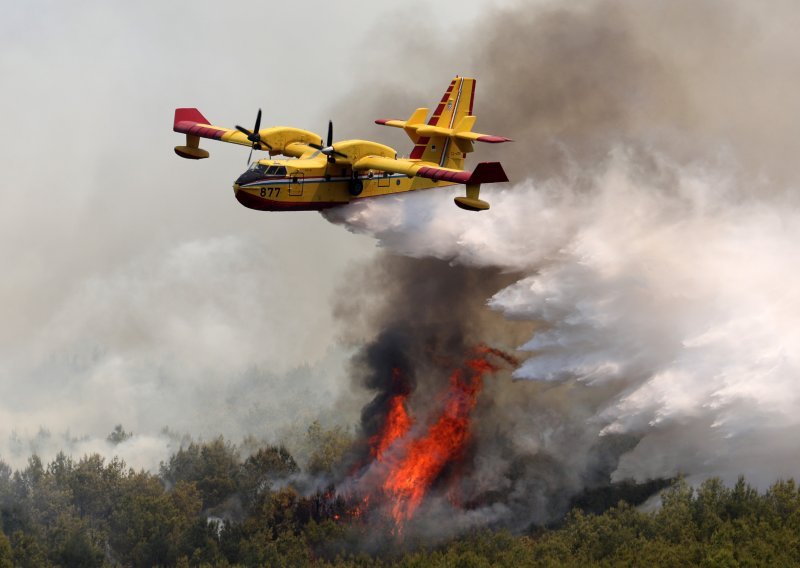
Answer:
(313, 184)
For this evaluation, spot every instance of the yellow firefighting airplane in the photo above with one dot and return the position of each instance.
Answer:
(322, 176)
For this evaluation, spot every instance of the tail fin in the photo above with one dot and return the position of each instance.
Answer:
(447, 137)
(454, 106)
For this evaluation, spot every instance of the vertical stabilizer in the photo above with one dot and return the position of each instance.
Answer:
(455, 105)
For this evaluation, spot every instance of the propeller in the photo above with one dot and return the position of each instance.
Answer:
(254, 136)
(328, 149)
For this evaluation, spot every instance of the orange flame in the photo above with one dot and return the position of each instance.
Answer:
(445, 441)
(397, 425)
(415, 463)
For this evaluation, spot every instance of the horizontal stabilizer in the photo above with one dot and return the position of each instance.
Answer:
(462, 131)
(488, 172)
(485, 172)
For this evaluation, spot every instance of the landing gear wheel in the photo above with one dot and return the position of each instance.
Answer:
(356, 186)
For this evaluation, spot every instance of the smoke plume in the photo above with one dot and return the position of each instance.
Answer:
(648, 241)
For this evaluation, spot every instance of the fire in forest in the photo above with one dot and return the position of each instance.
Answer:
(408, 457)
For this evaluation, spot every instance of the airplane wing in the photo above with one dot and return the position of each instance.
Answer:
(191, 122)
(387, 165)
(485, 172)
(277, 140)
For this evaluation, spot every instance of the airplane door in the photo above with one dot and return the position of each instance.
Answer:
(296, 186)
(383, 180)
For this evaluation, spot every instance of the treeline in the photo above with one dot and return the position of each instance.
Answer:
(210, 506)
(207, 506)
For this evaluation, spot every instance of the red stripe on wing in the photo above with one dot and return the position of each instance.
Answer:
(194, 129)
(485, 172)
(493, 139)
(443, 175)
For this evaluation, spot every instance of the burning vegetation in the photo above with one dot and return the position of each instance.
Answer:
(407, 458)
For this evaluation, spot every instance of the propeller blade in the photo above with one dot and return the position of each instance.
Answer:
(250, 156)
(244, 131)
(258, 122)
(316, 146)
(330, 132)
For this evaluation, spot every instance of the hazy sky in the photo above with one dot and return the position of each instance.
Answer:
(135, 288)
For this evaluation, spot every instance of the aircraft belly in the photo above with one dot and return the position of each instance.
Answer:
(310, 200)
(324, 194)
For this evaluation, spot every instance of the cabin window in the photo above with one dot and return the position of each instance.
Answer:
(280, 171)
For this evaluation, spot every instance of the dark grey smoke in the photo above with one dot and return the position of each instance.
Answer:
(423, 317)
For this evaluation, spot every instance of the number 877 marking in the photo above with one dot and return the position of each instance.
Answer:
(270, 191)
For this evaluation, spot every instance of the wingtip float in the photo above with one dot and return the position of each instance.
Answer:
(319, 174)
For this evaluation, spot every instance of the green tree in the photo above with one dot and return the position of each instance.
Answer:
(211, 466)
(145, 524)
(28, 552)
(96, 485)
(6, 555)
(72, 546)
(261, 470)
(327, 447)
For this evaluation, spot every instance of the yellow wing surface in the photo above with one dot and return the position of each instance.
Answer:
(485, 172)
(278, 140)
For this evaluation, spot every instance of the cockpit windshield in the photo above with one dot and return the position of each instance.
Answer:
(267, 170)
(257, 172)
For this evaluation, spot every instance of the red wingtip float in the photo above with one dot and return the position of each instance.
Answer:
(322, 173)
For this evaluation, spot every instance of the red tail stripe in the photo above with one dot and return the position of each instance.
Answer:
(472, 96)
(419, 149)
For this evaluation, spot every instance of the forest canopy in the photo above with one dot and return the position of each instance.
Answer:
(215, 504)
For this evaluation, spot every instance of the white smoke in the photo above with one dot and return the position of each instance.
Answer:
(197, 337)
(673, 284)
